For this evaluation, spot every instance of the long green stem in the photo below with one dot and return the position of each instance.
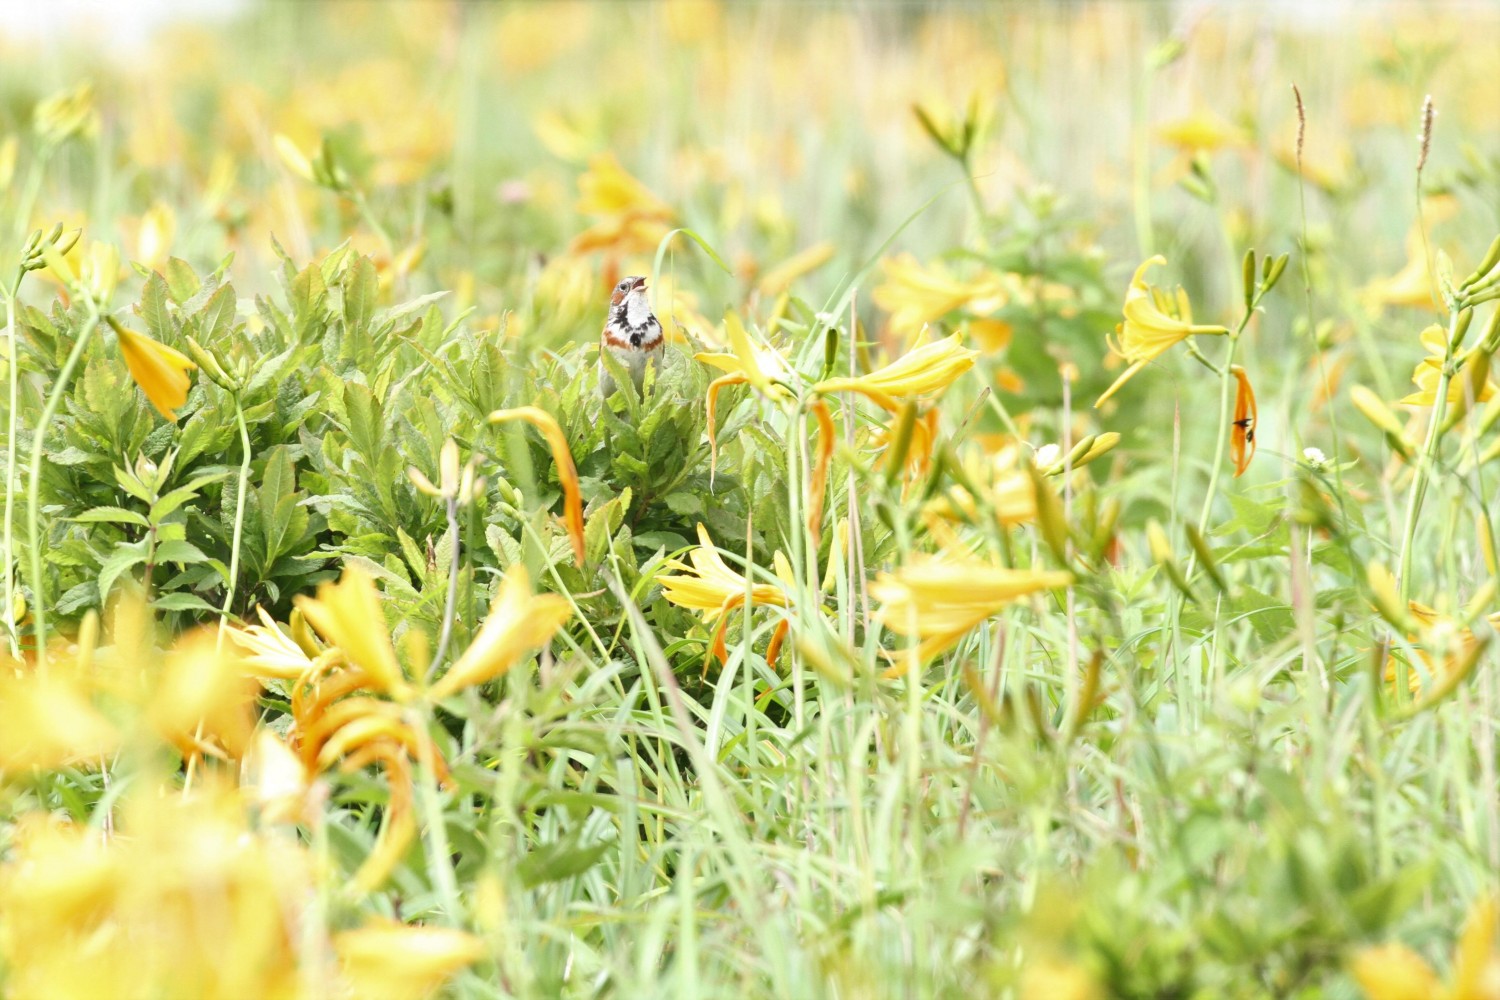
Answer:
(439, 853)
(449, 602)
(1425, 462)
(239, 520)
(34, 482)
(13, 362)
(1226, 377)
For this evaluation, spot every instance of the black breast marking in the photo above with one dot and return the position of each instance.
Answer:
(635, 339)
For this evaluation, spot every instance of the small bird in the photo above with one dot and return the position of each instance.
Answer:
(632, 334)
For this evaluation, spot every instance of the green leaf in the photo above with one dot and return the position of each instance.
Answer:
(559, 860)
(179, 552)
(124, 556)
(153, 308)
(361, 289)
(176, 498)
(182, 280)
(111, 515)
(183, 601)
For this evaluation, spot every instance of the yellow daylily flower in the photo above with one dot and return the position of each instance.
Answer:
(1154, 322)
(49, 721)
(347, 614)
(391, 961)
(1473, 380)
(630, 218)
(915, 295)
(562, 456)
(927, 368)
(159, 370)
(938, 599)
(763, 367)
(519, 621)
(715, 589)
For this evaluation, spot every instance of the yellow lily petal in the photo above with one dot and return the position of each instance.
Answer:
(348, 615)
(160, 371)
(519, 621)
(567, 472)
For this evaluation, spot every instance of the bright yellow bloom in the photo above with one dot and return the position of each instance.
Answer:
(1202, 132)
(715, 589)
(186, 900)
(630, 218)
(519, 621)
(391, 961)
(272, 653)
(915, 296)
(348, 615)
(50, 721)
(160, 371)
(926, 368)
(1395, 972)
(562, 457)
(1473, 380)
(938, 599)
(763, 367)
(1154, 322)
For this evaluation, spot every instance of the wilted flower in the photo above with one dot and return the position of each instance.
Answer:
(1154, 322)
(1242, 438)
(938, 599)
(562, 457)
(715, 589)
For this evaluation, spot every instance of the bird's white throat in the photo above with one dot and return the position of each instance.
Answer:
(637, 309)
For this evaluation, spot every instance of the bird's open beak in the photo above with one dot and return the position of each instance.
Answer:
(639, 283)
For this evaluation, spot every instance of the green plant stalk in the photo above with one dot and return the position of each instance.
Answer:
(12, 627)
(34, 482)
(1423, 466)
(448, 605)
(1225, 378)
(23, 213)
(239, 522)
(439, 853)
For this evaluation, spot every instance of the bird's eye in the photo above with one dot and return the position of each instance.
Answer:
(622, 286)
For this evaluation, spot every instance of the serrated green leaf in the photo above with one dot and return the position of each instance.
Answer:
(115, 515)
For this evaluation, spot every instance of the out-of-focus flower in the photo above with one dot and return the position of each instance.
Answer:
(1413, 286)
(1447, 650)
(1006, 491)
(562, 457)
(1332, 172)
(159, 370)
(779, 278)
(630, 219)
(65, 114)
(1394, 972)
(348, 615)
(185, 901)
(1201, 132)
(201, 702)
(928, 368)
(391, 961)
(1154, 322)
(915, 295)
(519, 621)
(50, 721)
(706, 584)
(689, 22)
(939, 599)
(153, 238)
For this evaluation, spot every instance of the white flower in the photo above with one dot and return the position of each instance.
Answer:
(1047, 455)
(1314, 457)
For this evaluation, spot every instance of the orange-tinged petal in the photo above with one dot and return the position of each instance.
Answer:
(1242, 440)
(567, 472)
(347, 614)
